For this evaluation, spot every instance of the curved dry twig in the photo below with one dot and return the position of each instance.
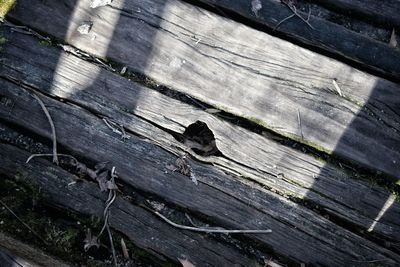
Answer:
(50, 155)
(53, 129)
(206, 229)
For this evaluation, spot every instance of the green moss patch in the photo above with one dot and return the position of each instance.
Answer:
(5, 7)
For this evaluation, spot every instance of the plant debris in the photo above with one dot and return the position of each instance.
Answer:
(125, 251)
(112, 195)
(116, 128)
(85, 27)
(90, 241)
(183, 167)
(291, 4)
(22, 222)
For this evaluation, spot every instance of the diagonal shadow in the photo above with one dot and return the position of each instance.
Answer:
(70, 18)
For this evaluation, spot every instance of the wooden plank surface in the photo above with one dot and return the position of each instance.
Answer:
(16, 253)
(243, 71)
(382, 11)
(325, 35)
(298, 234)
(289, 172)
(139, 225)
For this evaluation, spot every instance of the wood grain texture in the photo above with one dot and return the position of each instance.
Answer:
(16, 253)
(139, 225)
(298, 233)
(281, 168)
(326, 35)
(382, 11)
(243, 71)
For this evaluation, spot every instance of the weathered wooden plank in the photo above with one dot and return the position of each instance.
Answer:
(326, 35)
(382, 11)
(241, 70)
(298, 234)
(141, 226)
(16, 253)
(293, 173)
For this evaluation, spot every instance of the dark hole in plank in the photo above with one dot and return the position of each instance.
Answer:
(200, 139)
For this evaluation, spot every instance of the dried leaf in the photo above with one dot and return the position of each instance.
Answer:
(90, 241)
(393, 39)
(102, 180)
(186, 263)
(85, 27)
(99, 3)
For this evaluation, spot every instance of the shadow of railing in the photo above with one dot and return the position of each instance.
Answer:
(120, 24)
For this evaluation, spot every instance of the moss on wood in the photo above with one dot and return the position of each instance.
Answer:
(5, 7)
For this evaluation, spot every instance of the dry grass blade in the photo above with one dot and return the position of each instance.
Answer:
(125, 251)
(22, 222)
(335, 84)
(53, 129)
(282, 21)
(116, 128)
(50, 155)
(112, 195)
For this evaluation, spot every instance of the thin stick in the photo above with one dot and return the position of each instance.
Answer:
(23, 223)
(53, 129)
(208, 230)
(112, 245)
(24, 30)
(112, 195)
(293, 8)
(106, 213)
(50, 155)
